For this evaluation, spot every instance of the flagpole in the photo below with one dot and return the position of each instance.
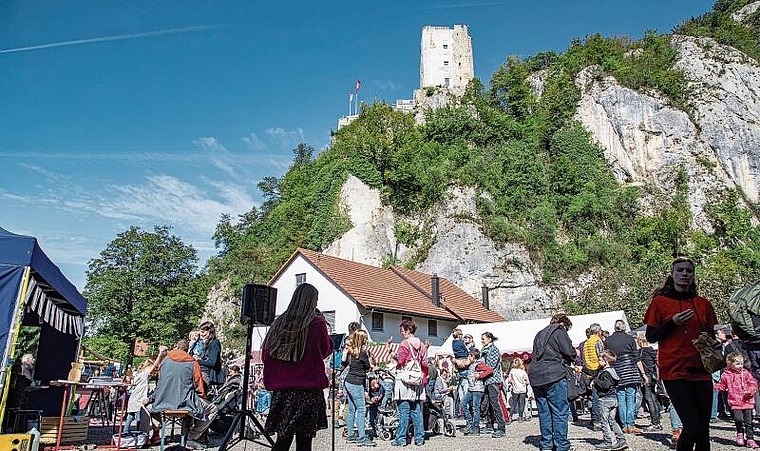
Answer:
(350, 101)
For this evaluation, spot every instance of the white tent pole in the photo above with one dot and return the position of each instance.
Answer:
(10, 344)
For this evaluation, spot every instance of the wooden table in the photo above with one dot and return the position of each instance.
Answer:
(67, 386)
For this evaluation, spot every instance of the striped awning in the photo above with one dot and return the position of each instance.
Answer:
(382, 354)
(49, 311)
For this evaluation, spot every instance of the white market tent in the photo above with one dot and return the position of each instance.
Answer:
(516, 337)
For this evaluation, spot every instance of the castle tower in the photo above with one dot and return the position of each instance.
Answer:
(446, 58)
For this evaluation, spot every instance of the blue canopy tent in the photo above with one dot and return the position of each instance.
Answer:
(33, 291)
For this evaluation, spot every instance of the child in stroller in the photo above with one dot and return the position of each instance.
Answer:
(437, 421)
(228, 399)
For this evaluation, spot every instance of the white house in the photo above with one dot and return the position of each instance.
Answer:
(376, 298)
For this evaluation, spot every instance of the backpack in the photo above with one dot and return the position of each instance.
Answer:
(744, 312)
(411, 373)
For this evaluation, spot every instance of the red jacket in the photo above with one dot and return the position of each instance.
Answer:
(741, 387)
(307, 373)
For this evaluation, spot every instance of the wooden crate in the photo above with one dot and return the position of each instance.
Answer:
(74, 431)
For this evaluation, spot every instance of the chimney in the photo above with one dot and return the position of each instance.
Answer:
(484, 295)
(436, 290)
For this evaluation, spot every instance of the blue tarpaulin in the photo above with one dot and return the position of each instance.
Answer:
(51, 300)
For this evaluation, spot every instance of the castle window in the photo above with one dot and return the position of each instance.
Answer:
(445, 63)
(446, 82)
(445, 46)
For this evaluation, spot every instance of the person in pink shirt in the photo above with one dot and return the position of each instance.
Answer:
(410, 398)
(294, 371)
(741, 387)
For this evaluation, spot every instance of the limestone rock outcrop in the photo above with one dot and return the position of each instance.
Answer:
(647, 142)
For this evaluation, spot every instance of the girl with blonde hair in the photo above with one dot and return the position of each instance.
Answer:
(517, 382)
(359, 365)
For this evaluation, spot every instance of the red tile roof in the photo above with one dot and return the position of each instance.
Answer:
(396, 289)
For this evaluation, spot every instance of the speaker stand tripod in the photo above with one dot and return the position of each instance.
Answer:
(244, 414)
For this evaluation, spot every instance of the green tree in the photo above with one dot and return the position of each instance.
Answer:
(144, 285)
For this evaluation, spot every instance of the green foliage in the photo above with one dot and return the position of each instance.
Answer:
(719, 25)
(144, 285)
(544, 183)
(109, 346)
(27, 340)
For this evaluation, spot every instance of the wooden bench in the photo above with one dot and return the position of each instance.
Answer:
(174, 417)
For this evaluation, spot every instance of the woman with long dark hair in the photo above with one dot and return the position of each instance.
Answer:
(293, 354)
(676, 315)
(210, 358)
(497, 407)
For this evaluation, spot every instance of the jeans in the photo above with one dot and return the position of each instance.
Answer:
(472, 401)
(407, 410)
(372, 410)
(388, 387)
(128, 421)
(652, 403)
(357, 410)
(553, 410)
(462, 389)
(596, 416)
(611, 430)
(692, 400)
(518, 405)
(626, 396)
(675, 420)
(714, 410)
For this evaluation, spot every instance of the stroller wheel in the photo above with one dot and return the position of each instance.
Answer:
(385, 435)
(448, 429)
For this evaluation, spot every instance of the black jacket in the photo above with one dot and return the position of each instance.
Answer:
(606, 382)
(552, 352)
(649, 360)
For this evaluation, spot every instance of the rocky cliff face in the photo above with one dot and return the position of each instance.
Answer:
(645, 141)
(459, 251)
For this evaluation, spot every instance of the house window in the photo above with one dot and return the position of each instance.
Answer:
(432, 328)
(377, 321)
(300, 278)
(445, 63)
(330, 318)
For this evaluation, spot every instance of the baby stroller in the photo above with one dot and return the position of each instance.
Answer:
(438, 421)
(228, 399)
(387, 415)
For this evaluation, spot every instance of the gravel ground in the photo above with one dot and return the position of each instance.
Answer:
(519, 436)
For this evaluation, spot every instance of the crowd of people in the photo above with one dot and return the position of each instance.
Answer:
(616, 376)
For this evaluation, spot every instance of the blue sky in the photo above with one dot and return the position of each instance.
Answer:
(142, 113)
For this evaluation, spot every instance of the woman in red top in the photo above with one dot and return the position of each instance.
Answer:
(294, 370)
(676, 315)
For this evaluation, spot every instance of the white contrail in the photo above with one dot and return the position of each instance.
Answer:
(120, 37)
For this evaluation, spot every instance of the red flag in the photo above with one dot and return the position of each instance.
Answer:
(358, 85)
